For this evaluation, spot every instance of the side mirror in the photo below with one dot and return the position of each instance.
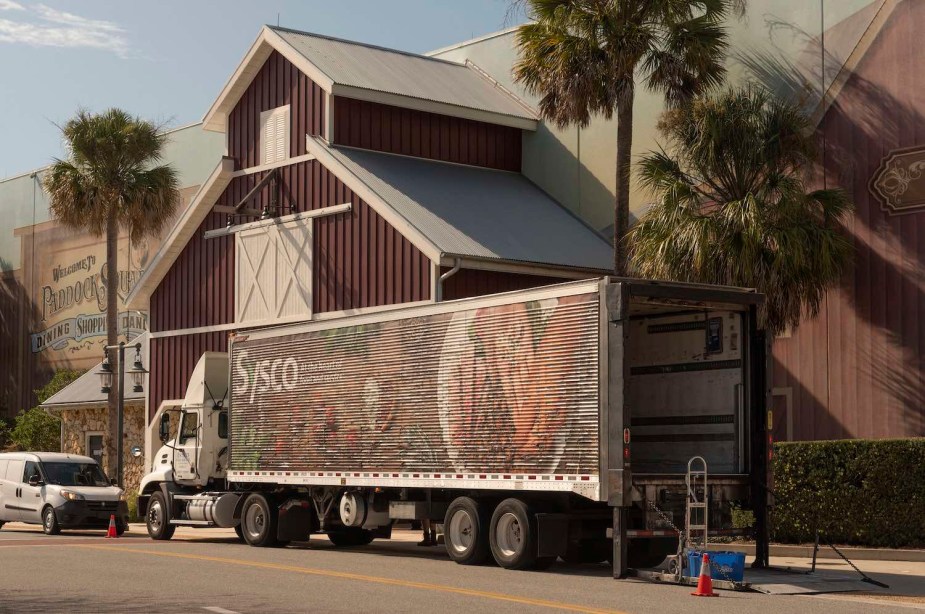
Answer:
(164, 428)
(35, 481)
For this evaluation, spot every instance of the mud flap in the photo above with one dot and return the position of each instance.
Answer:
(552, 534)
(296, 521)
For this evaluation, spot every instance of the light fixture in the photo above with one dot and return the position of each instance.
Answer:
(105, 374)
(137, 372)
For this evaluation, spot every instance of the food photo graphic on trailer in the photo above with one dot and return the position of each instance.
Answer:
(507, 388)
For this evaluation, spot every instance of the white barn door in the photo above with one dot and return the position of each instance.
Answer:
(274, 272)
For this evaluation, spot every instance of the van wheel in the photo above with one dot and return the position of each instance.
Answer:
(157, 518)
(1, 524)
(258, 521)
(50, 521)
(513, 535)
(465, 531)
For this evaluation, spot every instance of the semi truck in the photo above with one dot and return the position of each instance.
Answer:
(551, 422)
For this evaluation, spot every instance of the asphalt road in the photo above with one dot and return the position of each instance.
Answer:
(210, 571)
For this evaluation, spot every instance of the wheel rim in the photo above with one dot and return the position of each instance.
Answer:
(254, 522)
(49, 519)
(154, 516)
(461, 531)
(509, 535)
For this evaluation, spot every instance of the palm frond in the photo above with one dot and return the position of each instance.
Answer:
(732, 205)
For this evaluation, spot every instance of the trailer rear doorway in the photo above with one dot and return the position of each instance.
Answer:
(686, 396)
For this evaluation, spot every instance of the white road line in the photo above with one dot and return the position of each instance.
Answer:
(218, 610)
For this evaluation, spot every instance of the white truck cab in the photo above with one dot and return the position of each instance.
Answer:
(188, 470)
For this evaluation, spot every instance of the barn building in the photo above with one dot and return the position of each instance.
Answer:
(355, 178)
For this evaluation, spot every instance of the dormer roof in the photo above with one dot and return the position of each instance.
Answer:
(377, 74)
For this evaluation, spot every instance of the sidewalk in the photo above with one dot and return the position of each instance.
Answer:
(853, 553)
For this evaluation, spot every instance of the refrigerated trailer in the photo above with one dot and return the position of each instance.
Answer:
(544, 423)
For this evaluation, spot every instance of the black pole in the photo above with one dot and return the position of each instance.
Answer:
(121, 427)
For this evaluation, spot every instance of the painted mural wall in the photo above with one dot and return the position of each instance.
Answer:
(52, 279)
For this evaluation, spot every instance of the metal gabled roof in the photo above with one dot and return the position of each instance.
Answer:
(472, 212)
(350, 64)
(85, 390)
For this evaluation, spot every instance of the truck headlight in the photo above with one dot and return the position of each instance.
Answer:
(123, 496)
(70, 495)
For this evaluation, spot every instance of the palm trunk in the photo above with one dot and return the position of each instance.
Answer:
(112, 338)
(622, 199)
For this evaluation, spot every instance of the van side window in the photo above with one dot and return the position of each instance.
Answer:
(31, 469)
(190, 426)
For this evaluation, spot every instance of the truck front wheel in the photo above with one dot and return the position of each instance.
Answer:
(466, 531)
(513, 535)
(258, 521)
(157, 518)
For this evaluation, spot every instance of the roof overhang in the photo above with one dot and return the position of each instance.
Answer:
(180, 234)
(54, 408)
(216, 119)
(432, 106)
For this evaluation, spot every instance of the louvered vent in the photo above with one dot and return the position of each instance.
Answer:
(274, 135)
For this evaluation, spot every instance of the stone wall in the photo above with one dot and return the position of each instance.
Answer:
(76, 423)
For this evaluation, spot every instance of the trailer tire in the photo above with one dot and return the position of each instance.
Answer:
(512, 535)
(465, 531)
(157, 518)
(350, 536)
(258, 521)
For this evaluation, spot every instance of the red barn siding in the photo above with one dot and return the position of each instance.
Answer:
(474, 282)
(172, 362)
(857, 369)
(278, 83)
(198, 290)
(358, 123)
(359, 259)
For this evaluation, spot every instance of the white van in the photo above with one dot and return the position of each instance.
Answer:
(58, 491)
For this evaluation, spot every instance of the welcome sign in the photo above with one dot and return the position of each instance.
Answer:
(65, 273)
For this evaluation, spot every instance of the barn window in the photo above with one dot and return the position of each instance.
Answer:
(274, 135)
(274, 271)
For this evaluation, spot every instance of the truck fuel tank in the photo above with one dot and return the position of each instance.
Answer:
(217, 508)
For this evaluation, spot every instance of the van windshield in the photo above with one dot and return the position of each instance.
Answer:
(74, 474)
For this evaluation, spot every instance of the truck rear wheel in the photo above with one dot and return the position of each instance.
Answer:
(258, 521)
(350, 536)
(157, 518)
(465, 531)
(513, 535)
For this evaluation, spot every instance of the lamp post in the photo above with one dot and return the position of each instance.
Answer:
(137, 373)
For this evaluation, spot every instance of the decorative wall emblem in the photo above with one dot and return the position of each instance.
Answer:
(899, 182)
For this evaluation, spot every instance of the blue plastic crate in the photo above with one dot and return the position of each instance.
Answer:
(723, 565)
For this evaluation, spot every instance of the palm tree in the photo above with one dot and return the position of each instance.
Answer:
(111, 180)
(732, 205)
(582, 58)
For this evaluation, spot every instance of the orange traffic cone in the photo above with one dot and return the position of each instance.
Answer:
(112, 527)
(705, 582)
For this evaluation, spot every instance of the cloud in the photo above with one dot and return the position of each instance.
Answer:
(48, 27)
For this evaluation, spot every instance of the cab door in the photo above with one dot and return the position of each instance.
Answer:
(31, 496)
(186, 452)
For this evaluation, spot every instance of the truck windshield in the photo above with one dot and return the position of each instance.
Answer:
(74, 474)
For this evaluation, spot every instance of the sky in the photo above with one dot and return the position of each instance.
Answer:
(166, 61)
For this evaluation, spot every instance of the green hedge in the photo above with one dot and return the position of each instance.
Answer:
(862, 492)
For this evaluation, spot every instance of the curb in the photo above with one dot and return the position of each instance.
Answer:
(806, 552)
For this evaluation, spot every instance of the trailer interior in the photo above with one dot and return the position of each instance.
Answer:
(694, 388)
